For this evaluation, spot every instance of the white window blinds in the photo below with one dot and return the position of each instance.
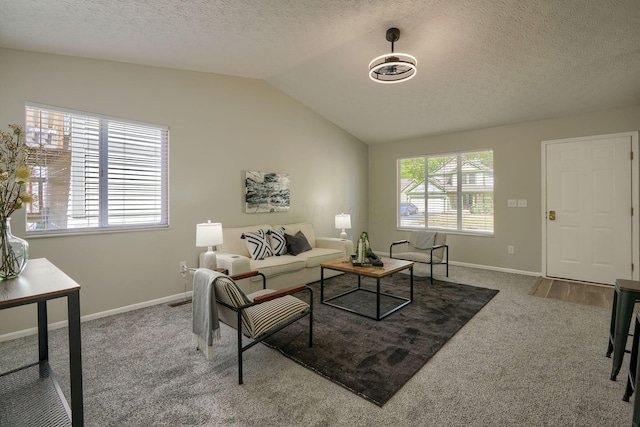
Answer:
(95, 173)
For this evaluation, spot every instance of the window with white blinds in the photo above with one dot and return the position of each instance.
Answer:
(450, 192)
(95, 173)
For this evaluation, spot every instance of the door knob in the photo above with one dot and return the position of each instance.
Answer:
(552, 215)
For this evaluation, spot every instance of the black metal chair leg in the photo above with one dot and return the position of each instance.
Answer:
(447, 260)
(239, 328)
(628, 392)
(311, 330)
(310, 317)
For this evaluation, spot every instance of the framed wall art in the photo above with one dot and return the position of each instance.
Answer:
(266, 192)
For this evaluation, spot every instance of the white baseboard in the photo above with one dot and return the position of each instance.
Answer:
(64, 323)
(482, 267)
(492, 268)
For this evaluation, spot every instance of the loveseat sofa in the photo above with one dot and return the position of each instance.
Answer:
(243, 247)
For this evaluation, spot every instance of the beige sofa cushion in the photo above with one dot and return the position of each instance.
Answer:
(316, 256)
(275, 265)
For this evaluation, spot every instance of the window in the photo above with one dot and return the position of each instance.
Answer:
(95, 173)
(451, 191)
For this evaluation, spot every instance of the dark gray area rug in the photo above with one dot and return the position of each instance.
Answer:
(374, 359)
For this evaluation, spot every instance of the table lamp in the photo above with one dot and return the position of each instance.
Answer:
(208, 234)
(343, 221)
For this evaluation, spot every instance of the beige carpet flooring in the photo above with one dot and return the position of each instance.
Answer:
(521, 361)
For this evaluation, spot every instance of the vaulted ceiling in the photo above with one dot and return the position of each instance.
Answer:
(481, 63)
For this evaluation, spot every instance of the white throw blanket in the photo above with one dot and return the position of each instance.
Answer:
(206, 327)
(422, 239)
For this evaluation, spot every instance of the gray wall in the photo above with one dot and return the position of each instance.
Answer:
(220, 126)
(517, 163)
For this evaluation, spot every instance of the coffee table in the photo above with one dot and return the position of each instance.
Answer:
(390, 266)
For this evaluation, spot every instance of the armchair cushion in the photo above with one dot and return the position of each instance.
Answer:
(262, 317)
(417, 257)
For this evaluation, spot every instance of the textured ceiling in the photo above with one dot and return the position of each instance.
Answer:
(480, 62)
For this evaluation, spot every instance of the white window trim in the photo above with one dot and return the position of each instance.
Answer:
(103, 227)
(458, 230)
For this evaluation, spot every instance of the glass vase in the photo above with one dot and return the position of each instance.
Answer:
(14, 252)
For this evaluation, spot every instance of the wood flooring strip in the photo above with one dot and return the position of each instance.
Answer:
(558, 291)
(541, 288)
(592, 294)
(534, 288)
(575, 292)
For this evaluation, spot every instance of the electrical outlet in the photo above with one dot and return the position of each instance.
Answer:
(512, 203)
(522, 203)
(510, 249)
(183, 267)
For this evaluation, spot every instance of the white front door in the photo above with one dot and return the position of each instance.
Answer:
(589, 208)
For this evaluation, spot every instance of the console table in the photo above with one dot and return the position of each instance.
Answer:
(30, 394)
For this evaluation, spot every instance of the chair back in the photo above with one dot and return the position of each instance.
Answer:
(228, 291)
(438, 254)
(422, 241)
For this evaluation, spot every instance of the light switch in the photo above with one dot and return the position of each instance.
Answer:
(522, 203)
(511, 203)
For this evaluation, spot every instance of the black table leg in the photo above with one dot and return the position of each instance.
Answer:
(411, 281)
(321, 284)
(43, 333)
(75, 359)
(378, 298)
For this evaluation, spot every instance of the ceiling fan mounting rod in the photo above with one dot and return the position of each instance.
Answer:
(393, 35)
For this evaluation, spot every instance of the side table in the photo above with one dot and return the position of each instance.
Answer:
(31, 394)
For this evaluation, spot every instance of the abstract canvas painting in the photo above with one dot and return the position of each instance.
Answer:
(266, 192)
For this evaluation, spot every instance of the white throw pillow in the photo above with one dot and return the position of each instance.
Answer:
(257, 244)
(278, 242)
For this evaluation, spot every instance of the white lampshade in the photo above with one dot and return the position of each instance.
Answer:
(343, 221)
(209, 234)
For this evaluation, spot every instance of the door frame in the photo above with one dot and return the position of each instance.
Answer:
(635, 196)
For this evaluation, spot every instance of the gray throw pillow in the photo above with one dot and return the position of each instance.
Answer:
(297, 244)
